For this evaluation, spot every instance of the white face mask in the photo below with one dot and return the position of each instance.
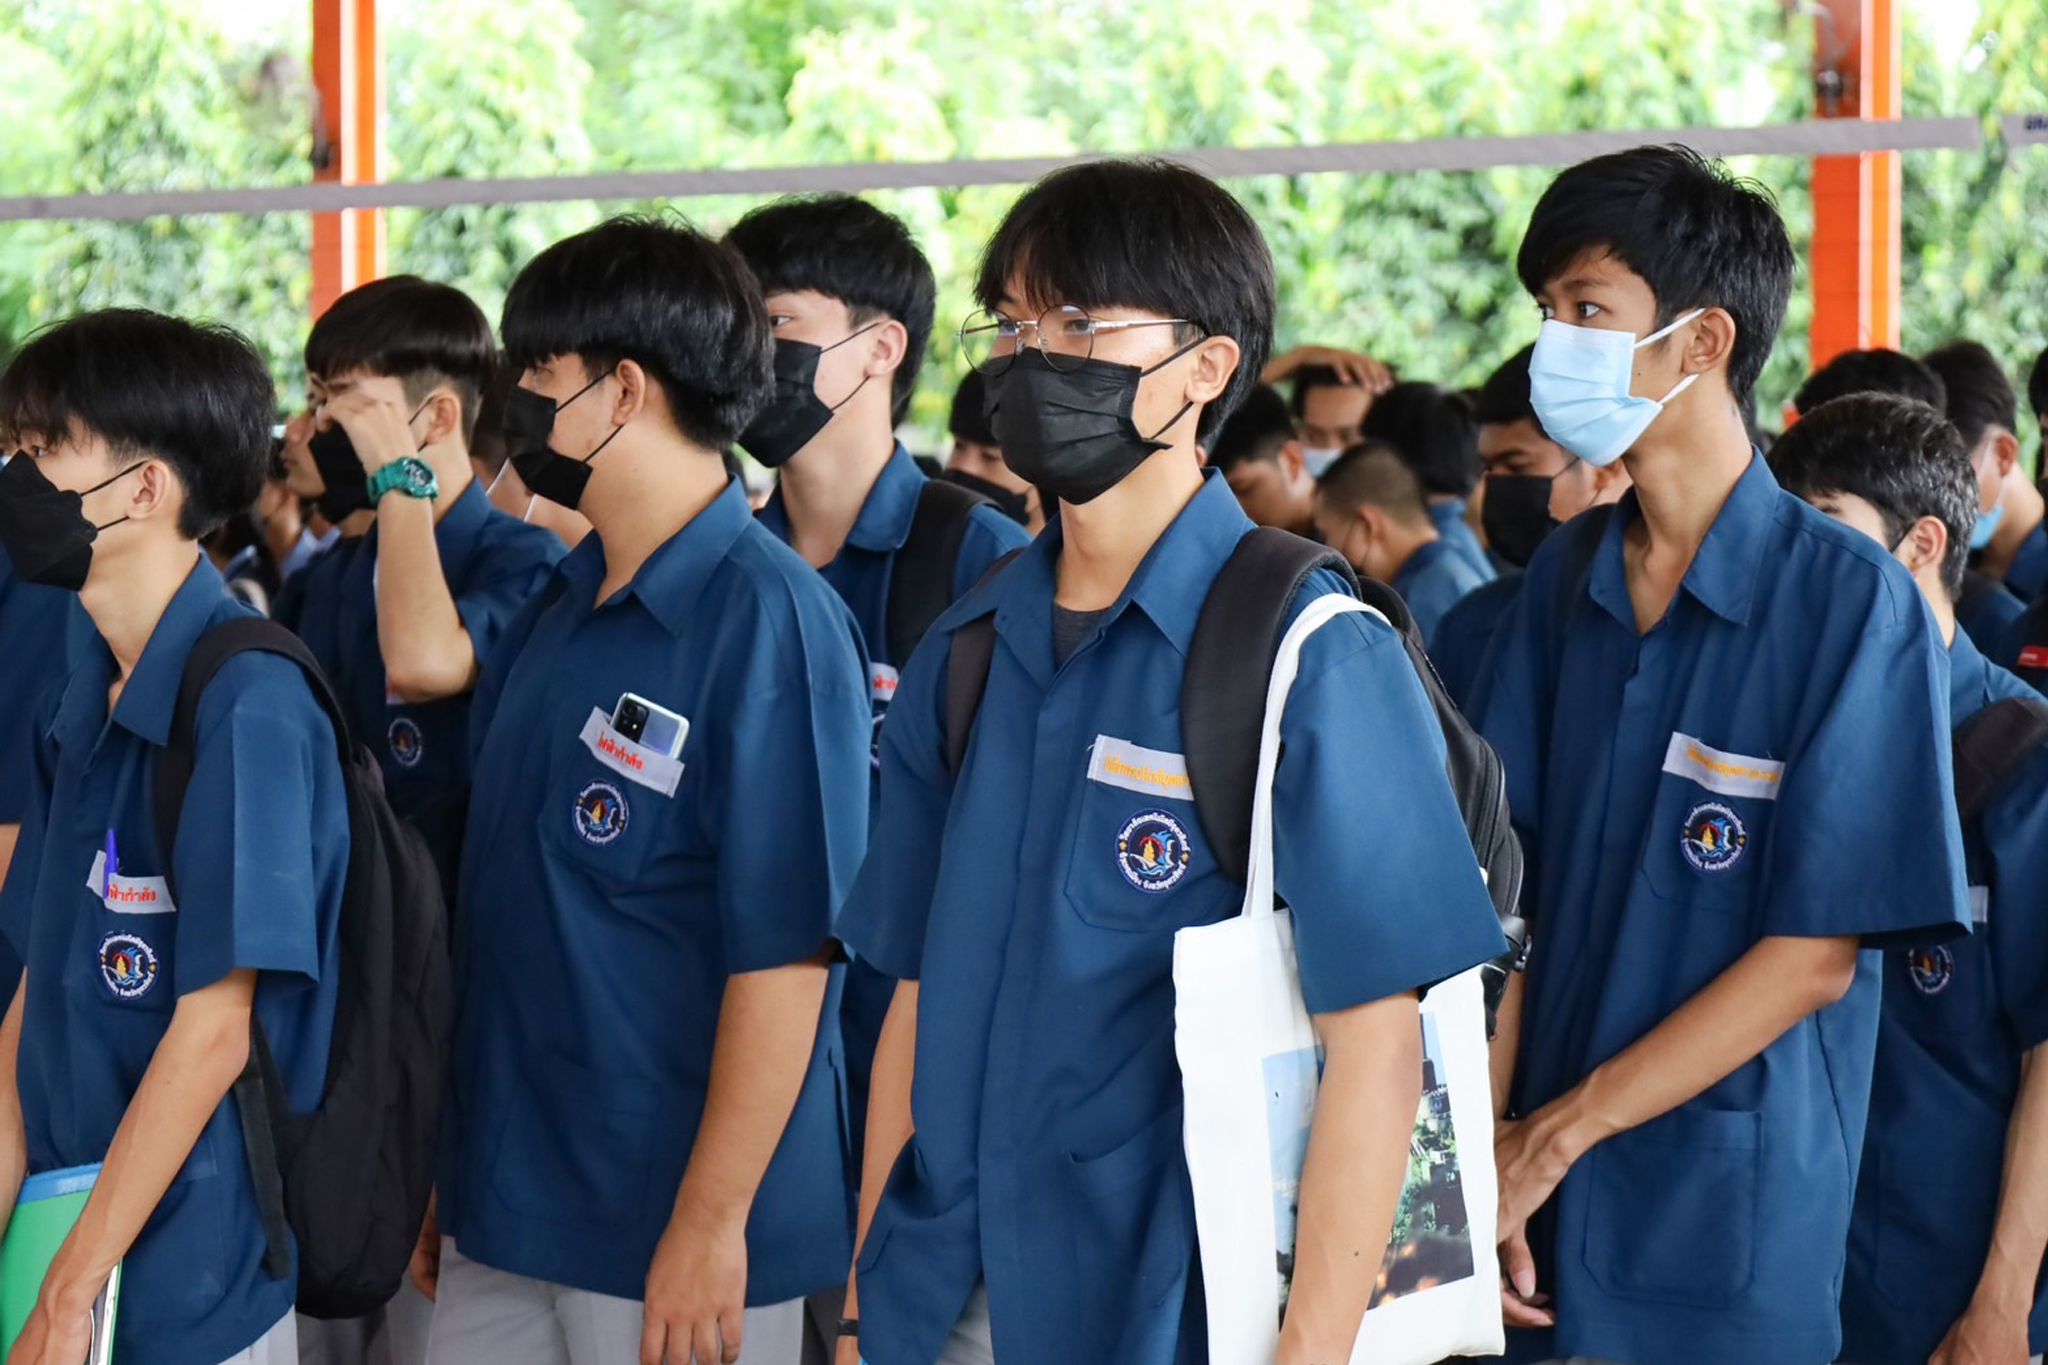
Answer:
(1579, 385)
(1317, 459)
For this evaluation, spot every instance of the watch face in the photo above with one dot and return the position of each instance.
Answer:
(419, 477)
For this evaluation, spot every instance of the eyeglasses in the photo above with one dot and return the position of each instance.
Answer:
(1065, 336)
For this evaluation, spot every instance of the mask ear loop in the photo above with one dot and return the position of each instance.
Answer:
(835, 407)
(1186, 407)
(105, 483)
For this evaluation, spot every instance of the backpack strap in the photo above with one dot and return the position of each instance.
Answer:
(1992, 746)
(921, 585)
(1230, 662)
(970, 653)
(259, 1091)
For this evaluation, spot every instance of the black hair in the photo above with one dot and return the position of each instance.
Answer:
(660, 293)
(1433, 430)
(409, 329)
(1374, 472)
(1901, 456)
(970, 412)
(1313, 377)
(193, 394)
(1504, 397)
(1874, 371)
(2037, 386)
(847, 249)
(1696, 235)
(1146, 234)
(487, 447)
(1256, 431)
(1979, 394)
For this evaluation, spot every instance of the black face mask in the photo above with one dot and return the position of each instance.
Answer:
(1516, 515)
(795, 415)
(44, 529)
(1070, 431)
(546, 472)
(341, 472)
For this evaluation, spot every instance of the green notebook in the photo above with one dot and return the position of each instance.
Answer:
(49, 1204)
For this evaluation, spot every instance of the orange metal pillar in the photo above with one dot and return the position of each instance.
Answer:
(1855, 260)
(348, 245)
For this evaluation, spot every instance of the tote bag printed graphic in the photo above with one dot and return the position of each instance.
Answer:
(1250, 1069)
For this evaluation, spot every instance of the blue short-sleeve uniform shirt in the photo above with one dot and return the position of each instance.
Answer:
(493, 564)
(37, 627)
(607, 898)
(1434, 579)
(1448, 516)
(2028, 576)
(114, 932)
(1465, 635)
(1957, 1018)
(1772, 758)
(1036, 905)
(1990, 612)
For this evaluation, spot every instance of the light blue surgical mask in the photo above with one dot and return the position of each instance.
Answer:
(1579, 385)
(1987, 527)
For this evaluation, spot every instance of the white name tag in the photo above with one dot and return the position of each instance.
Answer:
(1980, 905)
(129, 895)
(882, 681)
(628, 759)
(1723, 772)
(1120, 763)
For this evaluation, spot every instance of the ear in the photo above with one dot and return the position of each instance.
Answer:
(1614, 476)
(1215, 362)
(1707, 342)
(634, 394)
(157, 493)
(2005, 448)
(1925, 545)
(444, 416)
(888, 344)
(1291, 467)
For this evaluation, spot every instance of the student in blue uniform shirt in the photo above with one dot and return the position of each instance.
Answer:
(1532, 484)
(1432, 430)
(975, 460)
(1259, 456)
(674, 735)
(1951, 1213)
(1026, 1098)
(141, 433)
(37, 624)
(403, 611)
(1329, 390)
(1370, 509)
(1981, 402)
(1724, 723)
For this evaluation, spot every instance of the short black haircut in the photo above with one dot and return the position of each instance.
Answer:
(1145, 234)
(1374, 472)
(2037, 386)
(1256, 431)
(1696, 235)
(970, 412)
(1433, 430)
(409, 329)
(655, 291)
(1979, 394)
(847, 249)
(1874, 371)
(1901, 456)
(1313, 377)
(195, 395)
(1504, 397)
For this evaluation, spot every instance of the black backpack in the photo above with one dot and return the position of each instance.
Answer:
(921, 586)
(352, 1178)
(1992, 746)
(1223, 708)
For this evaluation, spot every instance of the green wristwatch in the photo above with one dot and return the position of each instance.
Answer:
(411, 476)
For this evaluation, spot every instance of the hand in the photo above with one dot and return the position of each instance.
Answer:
(378, 428)
(848, 1352)
(1353, 367)
(1520, 1304)
(55, 1334)
(425, 1268)
(1984, 1335)
(696, 1293)
(1534, 1155)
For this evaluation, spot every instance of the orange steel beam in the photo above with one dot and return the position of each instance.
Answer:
(348, 246)
(1855, 252)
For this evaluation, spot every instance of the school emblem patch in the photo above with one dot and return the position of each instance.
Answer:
(1931, 969)
(1714, 837)
(407, 744)
(127, 965)
(1152, 851)
(601, 814)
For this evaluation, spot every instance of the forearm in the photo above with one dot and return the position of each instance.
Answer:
(1351, 1181)
(9, 835)
(889, 1121)
(2020, 1236)
(427, 651)
(13, 1139)
(1506, 1047)
(1738, 1014)
(202, 1052)
(767, 1028)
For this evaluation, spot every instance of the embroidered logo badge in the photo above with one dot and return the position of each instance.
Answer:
(1931, 969)
(127, 965)
(1152, 851)
(1714, 837)
(407, 744)
(601, 814)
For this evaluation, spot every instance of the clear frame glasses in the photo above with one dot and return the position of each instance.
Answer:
(1064, 335)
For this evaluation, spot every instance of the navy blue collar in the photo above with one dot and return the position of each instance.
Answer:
(673, 577)
(1723, 574)
(150, 697)
(885, 516)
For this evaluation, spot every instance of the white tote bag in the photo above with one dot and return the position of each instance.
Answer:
(1250, 1066)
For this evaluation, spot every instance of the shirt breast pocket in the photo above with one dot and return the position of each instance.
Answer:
(603, 822)
(124, 959)
(1707, 848)
(1138, 863)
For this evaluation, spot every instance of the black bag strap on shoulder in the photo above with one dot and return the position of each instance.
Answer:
(970, 653)
(259, 1090)
(1992, 746)
(921, 588)
(1230, 663)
